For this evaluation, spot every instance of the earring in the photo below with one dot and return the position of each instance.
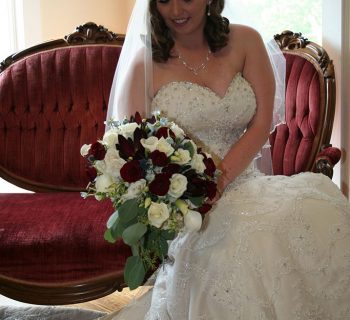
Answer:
(208, 9)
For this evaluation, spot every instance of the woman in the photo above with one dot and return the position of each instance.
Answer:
(273, 247)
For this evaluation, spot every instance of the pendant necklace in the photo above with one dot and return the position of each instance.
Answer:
(194, 70)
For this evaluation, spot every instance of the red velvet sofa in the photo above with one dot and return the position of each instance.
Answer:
(53, 99)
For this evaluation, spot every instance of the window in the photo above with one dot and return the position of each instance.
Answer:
(8, 28)
(274, 16)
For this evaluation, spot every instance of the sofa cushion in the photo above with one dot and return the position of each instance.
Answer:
(56, 237)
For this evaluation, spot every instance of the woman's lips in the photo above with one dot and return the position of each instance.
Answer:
(180, 22)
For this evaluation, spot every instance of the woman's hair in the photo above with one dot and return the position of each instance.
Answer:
(216, 31)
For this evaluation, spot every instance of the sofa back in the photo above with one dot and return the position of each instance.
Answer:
(53, 99)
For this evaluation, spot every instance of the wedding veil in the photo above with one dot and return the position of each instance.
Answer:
(137, 49)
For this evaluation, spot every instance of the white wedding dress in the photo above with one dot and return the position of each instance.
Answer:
(273, 247)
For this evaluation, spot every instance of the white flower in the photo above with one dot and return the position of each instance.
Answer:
(150, 143)
(110, 137)
(113, 163)
(127, 130)
(103, 182)
(197, 163)
(164, 146)
(179, 133)
(178, 185)
(84, 150)
(135, 189)
(100, 166)
(181, 156)
(158, 213)
(193, 220)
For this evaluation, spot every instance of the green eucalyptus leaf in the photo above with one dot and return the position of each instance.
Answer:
(134, 233)
(134, 272)
(118, 228)
(112, 219)
(163, 246)
(168, 234)
(189, 146)
(128, 210)
(109, 236)
(197, 201)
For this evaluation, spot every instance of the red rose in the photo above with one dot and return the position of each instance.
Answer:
(210, 166)
(204, 208)
(160, 185)
(159, 158)
(165, 133)
(98, 151)
(171, 168)
(126, 147)
(132, 171)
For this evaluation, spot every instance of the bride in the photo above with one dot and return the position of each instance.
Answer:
(273, 247)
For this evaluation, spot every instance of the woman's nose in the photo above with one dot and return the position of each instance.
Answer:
(175, 8)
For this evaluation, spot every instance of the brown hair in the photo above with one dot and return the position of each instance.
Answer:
(216, 31)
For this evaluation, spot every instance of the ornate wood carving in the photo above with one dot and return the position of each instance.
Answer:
(289, 41)
(92, 33)
(88, 33)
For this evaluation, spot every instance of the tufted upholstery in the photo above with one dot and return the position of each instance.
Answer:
(310, 103)
(51, 103)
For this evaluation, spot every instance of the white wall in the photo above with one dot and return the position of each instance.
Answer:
(336, 41)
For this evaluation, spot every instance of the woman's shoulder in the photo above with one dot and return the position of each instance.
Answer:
(243, 31)
(246, 36)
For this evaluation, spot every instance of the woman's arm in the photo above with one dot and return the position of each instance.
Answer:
(258, 72)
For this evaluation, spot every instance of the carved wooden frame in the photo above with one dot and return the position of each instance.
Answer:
(295, 44)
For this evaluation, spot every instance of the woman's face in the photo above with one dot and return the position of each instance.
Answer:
(183, 16)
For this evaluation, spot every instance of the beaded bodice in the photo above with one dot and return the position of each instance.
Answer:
(213, 121)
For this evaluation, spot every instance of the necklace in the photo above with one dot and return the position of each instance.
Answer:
(194, 70)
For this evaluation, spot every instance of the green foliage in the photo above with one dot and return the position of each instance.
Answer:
(134, 272)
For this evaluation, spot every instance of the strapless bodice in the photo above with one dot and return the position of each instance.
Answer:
(212, 121)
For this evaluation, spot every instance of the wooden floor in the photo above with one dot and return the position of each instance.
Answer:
(114, 301)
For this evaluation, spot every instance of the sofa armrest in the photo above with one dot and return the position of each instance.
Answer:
(327, 159)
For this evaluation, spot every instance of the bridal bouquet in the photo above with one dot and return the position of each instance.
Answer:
(159, 182)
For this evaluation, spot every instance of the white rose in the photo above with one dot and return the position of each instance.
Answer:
(113, 163)
(135, 189)
(100, 166)
(158, 213)
(181, 156)
(127, 130)
(113, 167)
(150, 143)
(165, 146)
(179, 133)
(197, 163)
(84, 150)
(193, 220)
(111, 153)
(178, 185)
(110, 138)
(103, 182)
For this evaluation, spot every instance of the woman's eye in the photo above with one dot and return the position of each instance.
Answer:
(163, 1)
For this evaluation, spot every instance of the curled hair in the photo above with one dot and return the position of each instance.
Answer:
(216, 31)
